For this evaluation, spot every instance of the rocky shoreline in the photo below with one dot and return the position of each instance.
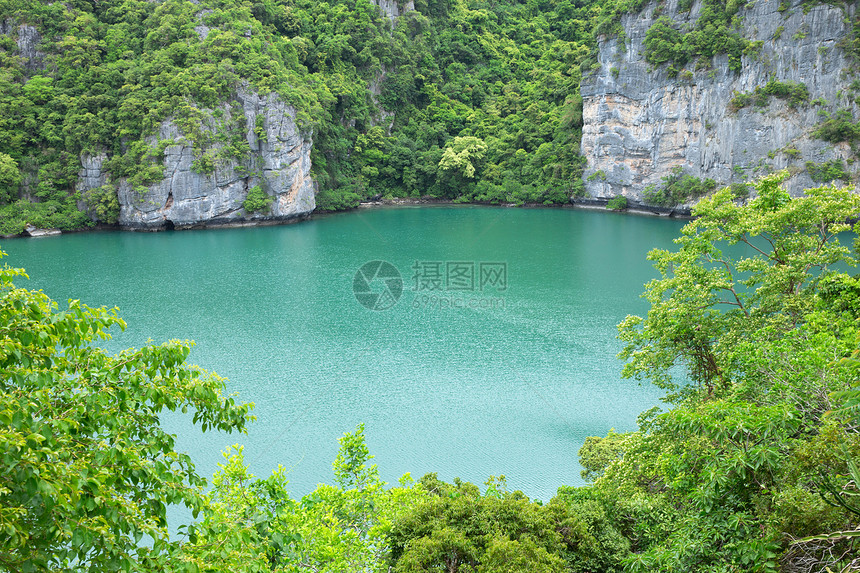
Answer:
(586, 204)
(633, 208)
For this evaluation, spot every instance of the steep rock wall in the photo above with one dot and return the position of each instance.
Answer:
(27, 39)
(393, 9)
(278, 160)
(639, 123)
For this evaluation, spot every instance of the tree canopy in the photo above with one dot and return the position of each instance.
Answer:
(708, 301)
(86, 471)
(753, 328)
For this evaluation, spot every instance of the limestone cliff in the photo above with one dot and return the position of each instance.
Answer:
(639, 123)
(27, 39)
(393, 9)
(206, 187)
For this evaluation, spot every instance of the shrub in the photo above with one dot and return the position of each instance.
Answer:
(740, 190)
(795, 92)
(618, 203)
(103, 203)
(714, 33)
(678, 188)
(257, 201)
(337, 199)
(740, 100)
(828, 171)
(838, 128)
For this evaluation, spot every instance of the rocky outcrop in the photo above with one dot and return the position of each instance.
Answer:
(27, 39)
(91, 174)
(639, 123)
(393, 9)
(32, 231)
(277, 160)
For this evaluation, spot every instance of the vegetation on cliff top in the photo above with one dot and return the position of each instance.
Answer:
(385, 104)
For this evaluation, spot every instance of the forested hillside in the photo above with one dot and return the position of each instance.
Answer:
(469, 101)
(476, 101)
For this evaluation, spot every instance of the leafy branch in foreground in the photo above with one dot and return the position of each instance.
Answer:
(86, 471)
(760, 450)
(739, 270)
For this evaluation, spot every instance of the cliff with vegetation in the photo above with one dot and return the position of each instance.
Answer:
(110, 110)
(132, 112)
(149, 116)
(248, 163)
(686, 92)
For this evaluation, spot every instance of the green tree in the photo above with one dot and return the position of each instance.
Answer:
(10, 178)
(706, 301)
(244, 521)
(754, 308)
(597, 453)
(254, 525)
(86, 471)
(463, 157)
(455, 528)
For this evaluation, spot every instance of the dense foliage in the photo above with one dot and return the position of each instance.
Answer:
(253, 524)
(677, 188)
(715, 32)
(839, 127)
(391, 103)
(387, 102)
(759, 451)
(752, 330)
(358, 524)
(617, 203)
(502, 76)
(828, 171)
(85, 469)
(257, 201)
(796, 93)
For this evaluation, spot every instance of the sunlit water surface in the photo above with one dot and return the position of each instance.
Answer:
(512, 386)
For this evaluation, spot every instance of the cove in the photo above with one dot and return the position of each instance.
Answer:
(486, 378)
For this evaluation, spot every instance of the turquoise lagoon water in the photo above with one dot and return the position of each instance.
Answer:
(506, 374)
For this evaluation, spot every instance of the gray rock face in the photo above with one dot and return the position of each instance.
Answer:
(639, 123)
(278, 161)
(28, 39)
(394, 8)
(91, 174)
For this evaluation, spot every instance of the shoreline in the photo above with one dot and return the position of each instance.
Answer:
(636, 209)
